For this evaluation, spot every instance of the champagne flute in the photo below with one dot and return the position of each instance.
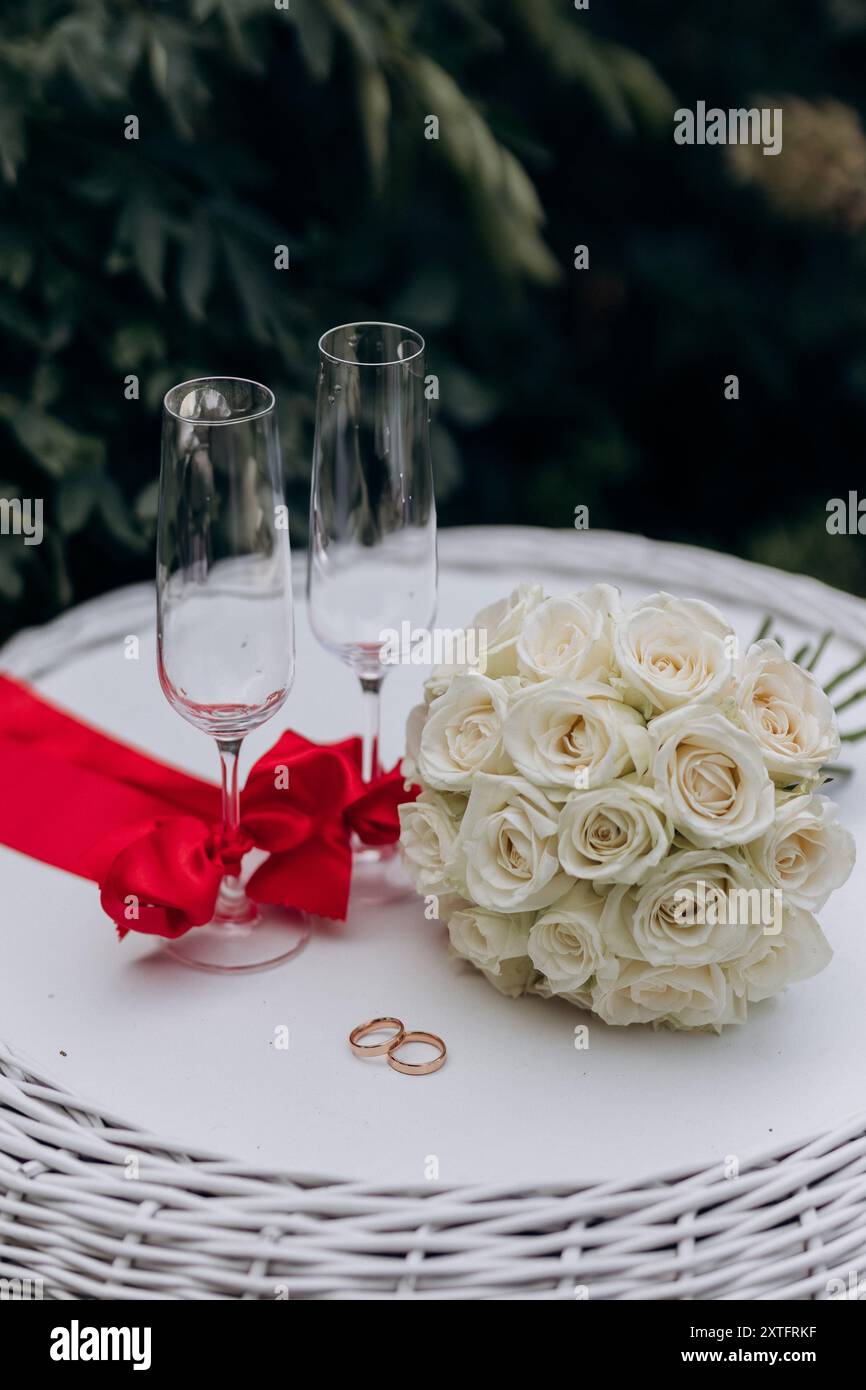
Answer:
(225, 620)
(371, 559)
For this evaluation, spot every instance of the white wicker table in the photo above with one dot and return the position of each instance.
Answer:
(544, 1151)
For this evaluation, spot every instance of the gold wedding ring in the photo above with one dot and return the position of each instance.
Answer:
(416, 1068)
(375, 1026)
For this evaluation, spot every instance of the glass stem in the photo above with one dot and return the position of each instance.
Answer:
(233, 904)
(370, 765)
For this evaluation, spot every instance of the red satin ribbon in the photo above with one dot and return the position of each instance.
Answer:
(149, 834)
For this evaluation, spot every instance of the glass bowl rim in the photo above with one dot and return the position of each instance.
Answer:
(373, 323)
(235, 419)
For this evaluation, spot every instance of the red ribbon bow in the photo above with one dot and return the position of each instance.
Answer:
(149, 834)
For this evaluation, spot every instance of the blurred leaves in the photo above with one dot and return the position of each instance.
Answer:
(624, 87)
(12, 142)
(50, 443)
(374, 101)
(506, 207)
(130, 264)
(317, 35)
(127, 263)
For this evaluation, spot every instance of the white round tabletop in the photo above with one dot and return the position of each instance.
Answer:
(192, 1056)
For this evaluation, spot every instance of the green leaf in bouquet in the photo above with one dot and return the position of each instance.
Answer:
(814, 657)
(843, 675)
(820, 648)
(852, 699)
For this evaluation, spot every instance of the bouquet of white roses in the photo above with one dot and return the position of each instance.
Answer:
(620, 810)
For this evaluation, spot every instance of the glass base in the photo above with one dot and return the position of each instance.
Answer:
(273, 936)
(378, 875)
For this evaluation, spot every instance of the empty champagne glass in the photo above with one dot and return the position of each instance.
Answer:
(372, 548)
(225, 620)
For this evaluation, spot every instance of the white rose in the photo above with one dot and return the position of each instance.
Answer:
(680, 996)
(566, 945)
(498, 626)
(806, 854)
(581, 998)
(711, 778)
(616, 833)
(569, 637)
(462, 733)
(428, 834)
(789, 714)
(799, 951)
(506, 848)
(555, 730)
(444, 672)
(673, 651)
(414, 724)
(495, 943)
(697, 908)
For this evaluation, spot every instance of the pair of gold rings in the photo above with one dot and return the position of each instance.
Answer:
(392, 1045)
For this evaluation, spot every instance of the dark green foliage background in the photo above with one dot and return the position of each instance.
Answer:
(262, 126)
